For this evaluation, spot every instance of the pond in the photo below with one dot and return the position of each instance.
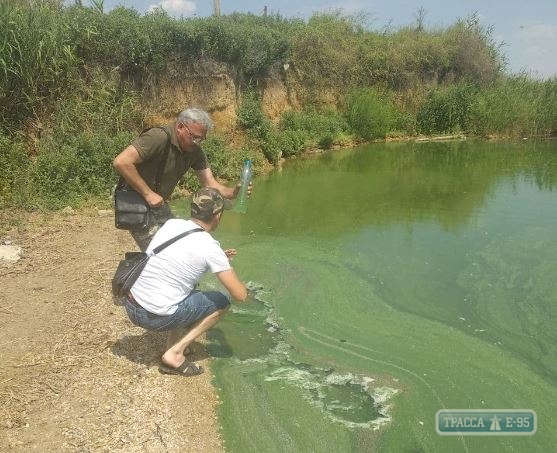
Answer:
(392, 281)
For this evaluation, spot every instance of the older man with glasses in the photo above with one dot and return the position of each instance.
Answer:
(154, 163)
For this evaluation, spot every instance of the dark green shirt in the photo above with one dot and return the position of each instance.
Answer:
(151, 145)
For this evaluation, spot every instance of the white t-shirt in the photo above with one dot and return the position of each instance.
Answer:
(173, 273)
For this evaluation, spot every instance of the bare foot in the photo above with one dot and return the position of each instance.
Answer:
(172, 358)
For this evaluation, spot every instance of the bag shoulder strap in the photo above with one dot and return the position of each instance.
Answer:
(174, 239)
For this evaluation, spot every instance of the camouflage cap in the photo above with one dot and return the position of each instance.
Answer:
(208, 201)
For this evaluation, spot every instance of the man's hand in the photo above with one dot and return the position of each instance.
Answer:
(154, 200)
(230, 253)
(239, 186)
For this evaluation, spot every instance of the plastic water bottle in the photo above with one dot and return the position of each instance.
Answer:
(241, 205)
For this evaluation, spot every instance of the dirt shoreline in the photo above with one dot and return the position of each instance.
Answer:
(76, 375)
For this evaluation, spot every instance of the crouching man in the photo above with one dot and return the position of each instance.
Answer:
(164, 297)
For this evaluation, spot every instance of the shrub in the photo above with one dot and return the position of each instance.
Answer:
(66, 173)
(249, 113)
(103, 106)
(326, 142)
(249, 43)
(370, 113)
(271, 145)
(327, 38)
(447, 110)
(313, 122)
(311, 127)
(219, 157)
(474, 55)
(516, 106)
(14, 165)
(37, 59)
(290, 142)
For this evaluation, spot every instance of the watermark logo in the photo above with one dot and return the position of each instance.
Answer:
(486, 422)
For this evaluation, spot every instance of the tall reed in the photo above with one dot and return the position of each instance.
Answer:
(37, 60)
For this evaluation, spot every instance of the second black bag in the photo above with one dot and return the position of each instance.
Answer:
(130, 268)
(127, 272)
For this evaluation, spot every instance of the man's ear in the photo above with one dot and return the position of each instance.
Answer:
(216, 217)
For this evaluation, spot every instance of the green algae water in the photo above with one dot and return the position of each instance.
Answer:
(390, 282)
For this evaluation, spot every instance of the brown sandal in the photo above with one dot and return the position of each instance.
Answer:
(185, 369)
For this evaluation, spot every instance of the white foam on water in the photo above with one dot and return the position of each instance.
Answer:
(383, 394)
(314, 386)
(314, 382)
(254, 286)
(235, 309)
(252, 360)
(271, 321)
(281, 348)
(339, 379)
(301, 378)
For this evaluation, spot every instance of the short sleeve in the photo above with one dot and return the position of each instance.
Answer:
(217, 261)
(150, 143)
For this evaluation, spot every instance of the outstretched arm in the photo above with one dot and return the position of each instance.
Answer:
(232, 283)
(207, 179)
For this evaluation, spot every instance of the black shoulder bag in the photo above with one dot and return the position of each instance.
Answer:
(131, 211)
(130, 268)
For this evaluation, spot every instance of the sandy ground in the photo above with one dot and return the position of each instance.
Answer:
(75, 374)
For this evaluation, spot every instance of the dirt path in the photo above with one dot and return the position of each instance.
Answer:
(75, 374)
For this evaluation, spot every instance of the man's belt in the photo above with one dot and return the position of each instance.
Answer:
(132, 301)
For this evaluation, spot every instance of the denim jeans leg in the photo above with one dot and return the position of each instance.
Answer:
(195, 307)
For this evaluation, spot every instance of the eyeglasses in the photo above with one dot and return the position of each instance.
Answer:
(196, 139)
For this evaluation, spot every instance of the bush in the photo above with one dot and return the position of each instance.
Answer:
(103, 106)
(249, 113)
(313, 122)
(250, 43)
(219, 158)
(326, 142)
(447, 110)
(14, 165)
(292, 142)
(325, 54)
(321, 128)
(370, 113)
(67, 173)
(37, 60)
(271, 145)
(515, 107)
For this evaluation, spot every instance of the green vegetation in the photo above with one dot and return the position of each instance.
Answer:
(75, 83)
(370, 113)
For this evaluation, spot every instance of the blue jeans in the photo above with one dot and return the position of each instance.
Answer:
(195, 307)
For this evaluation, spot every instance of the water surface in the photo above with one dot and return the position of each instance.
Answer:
(393, 281)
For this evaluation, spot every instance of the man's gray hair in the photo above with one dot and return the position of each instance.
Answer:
(195, 115)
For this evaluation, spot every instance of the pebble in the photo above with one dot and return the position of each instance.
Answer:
(10, 253)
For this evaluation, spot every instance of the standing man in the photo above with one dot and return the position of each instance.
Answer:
(164, 297)
(139, 163)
